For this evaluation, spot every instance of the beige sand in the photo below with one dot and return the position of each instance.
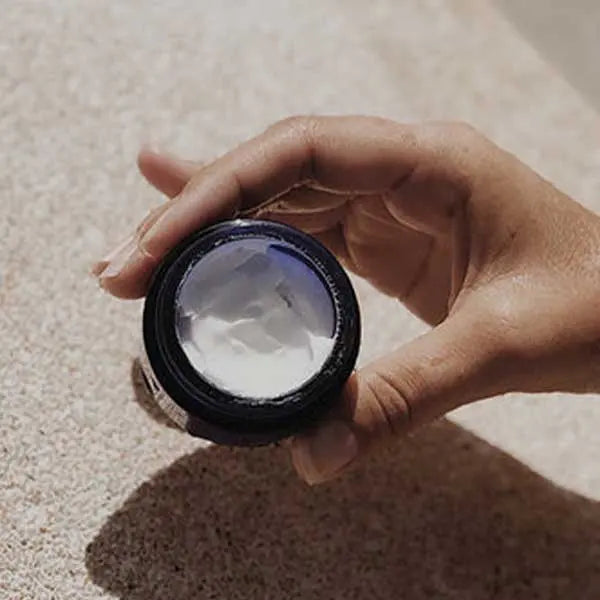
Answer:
(96, 498)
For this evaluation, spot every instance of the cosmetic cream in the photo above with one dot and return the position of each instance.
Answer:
(253, 321)
(251, 328)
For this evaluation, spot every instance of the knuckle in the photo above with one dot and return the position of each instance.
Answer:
(295, 125)
(501, 337)
(301, 131)
(389, 405)
(456, 153)
(456, 130)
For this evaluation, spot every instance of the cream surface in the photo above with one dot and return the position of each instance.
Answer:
(253, 320)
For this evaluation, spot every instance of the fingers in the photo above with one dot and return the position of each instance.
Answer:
(313, 211)
(358, 155)
(451, 365)
(127, 269)
(167, 173)
(339, 153)
(427, 203)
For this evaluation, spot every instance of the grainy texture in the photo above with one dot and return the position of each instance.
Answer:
(566, 32)
(96, 497)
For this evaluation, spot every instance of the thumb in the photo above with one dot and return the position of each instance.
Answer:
(455, 363)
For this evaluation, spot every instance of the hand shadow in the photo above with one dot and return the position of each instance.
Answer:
(440, 515)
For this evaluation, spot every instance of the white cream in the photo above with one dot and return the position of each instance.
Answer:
(254, 320)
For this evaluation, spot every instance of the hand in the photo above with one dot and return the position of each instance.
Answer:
(504, 266)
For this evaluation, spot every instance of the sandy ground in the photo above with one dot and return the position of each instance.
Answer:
(98, 499)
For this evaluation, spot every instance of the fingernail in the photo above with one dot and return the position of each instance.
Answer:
(114, 262)
(322, 454)
(150, 219)
(150, 230)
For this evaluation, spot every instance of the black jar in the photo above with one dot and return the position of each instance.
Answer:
(308, 274)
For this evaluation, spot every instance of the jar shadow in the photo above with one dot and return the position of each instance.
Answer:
(442, 514)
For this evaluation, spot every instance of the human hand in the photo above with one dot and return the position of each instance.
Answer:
(504, 267)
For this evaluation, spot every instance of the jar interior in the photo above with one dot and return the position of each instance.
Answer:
(254, 318)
